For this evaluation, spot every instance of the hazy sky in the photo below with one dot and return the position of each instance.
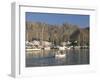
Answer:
(51, 18)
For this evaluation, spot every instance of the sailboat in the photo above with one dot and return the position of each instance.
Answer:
(47, 47)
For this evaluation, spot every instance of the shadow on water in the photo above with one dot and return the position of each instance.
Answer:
(48, 58)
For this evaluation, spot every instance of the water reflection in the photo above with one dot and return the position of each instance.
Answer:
(48, 58)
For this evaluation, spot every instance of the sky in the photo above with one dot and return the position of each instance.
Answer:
(52, 18)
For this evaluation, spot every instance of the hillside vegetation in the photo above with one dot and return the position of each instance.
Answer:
(57, 33)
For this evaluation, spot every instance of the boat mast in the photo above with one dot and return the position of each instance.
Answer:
(42, 35)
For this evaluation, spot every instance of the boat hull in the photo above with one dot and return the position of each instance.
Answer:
(60, 55)
(32, 49)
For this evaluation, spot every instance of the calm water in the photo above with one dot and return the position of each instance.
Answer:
(47, 58)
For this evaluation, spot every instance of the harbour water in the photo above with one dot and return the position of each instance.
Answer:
(48, 58)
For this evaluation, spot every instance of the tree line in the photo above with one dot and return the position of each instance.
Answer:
(57, 33)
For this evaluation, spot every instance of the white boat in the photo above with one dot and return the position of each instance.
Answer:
(60, 55)
(62, 48)
(47, 48)
(32, 49)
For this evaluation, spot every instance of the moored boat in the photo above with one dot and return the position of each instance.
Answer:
(62, 48)
(32, 49)
(60, 54)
